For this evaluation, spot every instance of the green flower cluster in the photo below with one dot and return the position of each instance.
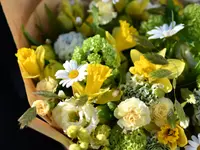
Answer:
(152, 22)
(96, 50)
(136, 87)
(153, 144)
(191, 20)
(135, 140)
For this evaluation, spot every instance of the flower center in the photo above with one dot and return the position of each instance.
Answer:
(73, 74)
(132, 116)
(198, 148)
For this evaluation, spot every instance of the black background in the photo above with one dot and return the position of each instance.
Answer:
(13, 101)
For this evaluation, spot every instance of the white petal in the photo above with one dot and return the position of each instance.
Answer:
(199, 137)
(172, 24)
(194, 138)
(189, 148)
(73, 65)
(156, 36)
(193, 144)
(177, 28)
(164, 28)
(66, 65)
(61, 74)
(154, 31)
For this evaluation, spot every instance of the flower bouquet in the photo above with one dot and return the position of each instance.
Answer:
(110, 74)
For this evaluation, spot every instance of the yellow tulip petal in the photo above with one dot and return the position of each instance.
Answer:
(182, 141)
(135, 55)
(176, 66)
(77, 88)
(162, 52)
(40, 53)
(109, 96)
(167, 84)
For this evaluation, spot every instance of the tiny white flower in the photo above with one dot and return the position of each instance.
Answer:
(78, 20)
(72, 73)
(184, 124)
(165, 30)
(194, 144)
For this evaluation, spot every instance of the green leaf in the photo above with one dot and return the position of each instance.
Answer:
(81, 100)
(156, 58)
(188, 96)
(144, 42)
(27, 117)
(171, 118)
(179, 110)
(28, 37)
(46, 94)
(174, 83)
(160, 73)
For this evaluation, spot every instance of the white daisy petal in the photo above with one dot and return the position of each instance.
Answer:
(60, 74)
(66, 65)
(193, 144)
(194, 138)
(189, 148)
(73, 65)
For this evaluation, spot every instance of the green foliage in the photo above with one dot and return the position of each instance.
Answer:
(46, 94)
(27, 117)
(135, 140)
(180, 112)
(154, 144)
(156, 58)
(171, 118)
(160, 73)
(96, 50)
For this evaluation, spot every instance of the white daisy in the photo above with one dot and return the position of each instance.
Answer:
(194, 144)
(165, 30)
(72, 73)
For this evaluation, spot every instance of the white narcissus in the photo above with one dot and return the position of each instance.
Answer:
(132, 114)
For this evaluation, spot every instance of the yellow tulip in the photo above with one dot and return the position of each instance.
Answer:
(144, 67)
(31, 62)
(124, 36)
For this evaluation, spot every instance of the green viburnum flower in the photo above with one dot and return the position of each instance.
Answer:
(135, 140)
(154, 144)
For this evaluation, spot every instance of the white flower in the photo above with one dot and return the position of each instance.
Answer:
(113, 1)
(42, 107)
(72, 73)
(66, 43)
(106, 11)
(184, 124)
(165, 30)
(78, 20)
(194, 144)
(132, 114)
(47, 84)
(66, 114)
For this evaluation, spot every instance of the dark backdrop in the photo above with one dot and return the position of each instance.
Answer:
(13, 101)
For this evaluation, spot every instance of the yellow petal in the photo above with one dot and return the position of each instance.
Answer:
(162, 52)
(135, 55)
(176, 66)
(109, 96)
(77, 88)
(167, 84)
(40, 53)
(182, 141)
(110, 39)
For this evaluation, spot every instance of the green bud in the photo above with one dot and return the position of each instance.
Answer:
(74, 147)
(52, 68)
(83, 135)
(72, 131)
(198, 81)
(62, 94)
(84, 145)
(126, 18)
(49, 52)
(65, 21)
(160, 93)
(112, 106)
(78, 10)
(104, 113)
(105, 148)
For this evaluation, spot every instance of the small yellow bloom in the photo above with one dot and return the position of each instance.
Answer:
(42, 107)
(124, 36)
(144, 67)
(31, 62)
(172, 137)
(97, 74)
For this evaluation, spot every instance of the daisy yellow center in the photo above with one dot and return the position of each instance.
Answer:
(198, 148)
(132, 116)
(73, 74)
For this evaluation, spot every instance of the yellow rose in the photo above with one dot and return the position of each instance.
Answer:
(42, 107)
(159, 111)
(31, 62)
(47, 84)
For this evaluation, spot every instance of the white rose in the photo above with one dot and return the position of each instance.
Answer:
(132, 114)
(42, 107)
(47, 84)
(160, 111)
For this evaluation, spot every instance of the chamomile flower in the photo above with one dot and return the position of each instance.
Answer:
(194, 144)
(165, 30)
(72, 73)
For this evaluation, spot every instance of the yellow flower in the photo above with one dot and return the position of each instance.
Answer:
(97, 74)
(160, 111)
(31, 62)
(137, 8)
(172, 137)
(42, 107)
(144, 67)
(124, 36)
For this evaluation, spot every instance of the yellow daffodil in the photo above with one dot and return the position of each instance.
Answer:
(144, 67)
(137, 8)
(124, 36)
(31, 62)
(172, 137)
